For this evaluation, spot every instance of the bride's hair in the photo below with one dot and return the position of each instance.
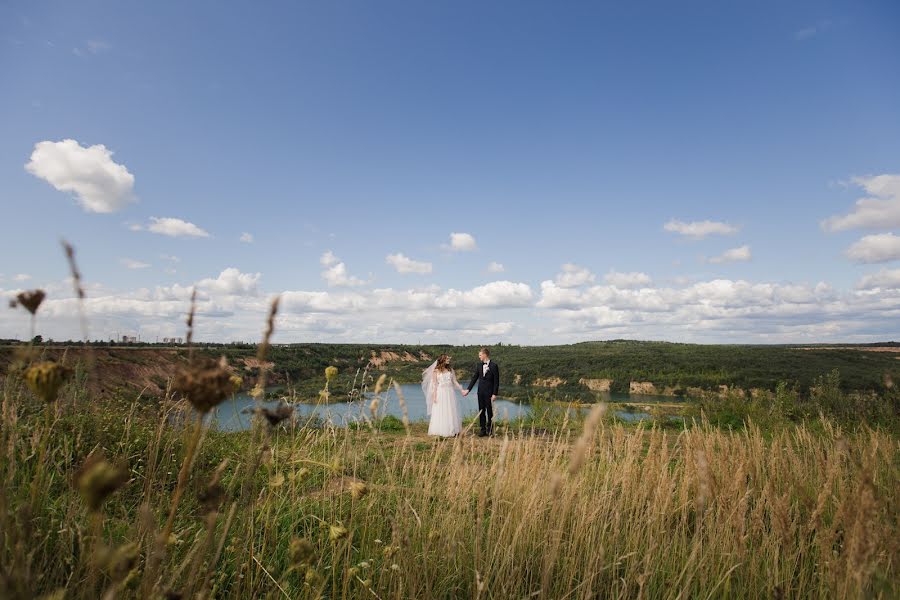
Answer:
(443, 363)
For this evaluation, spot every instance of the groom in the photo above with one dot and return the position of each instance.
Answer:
(487, 376)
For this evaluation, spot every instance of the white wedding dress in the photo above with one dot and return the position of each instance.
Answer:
(443, 403)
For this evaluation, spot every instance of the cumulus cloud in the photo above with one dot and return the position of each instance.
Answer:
(247, 238)
(231, 281)
(99, 184)
(573, 276)
(888, 279)
(335, 272)
(129, 263)
(404, 264)
(741, 253)
(879, 210)
(878, 248)
(633, 279)
(721, 310)
(697, 230)
(171, 227)
(495, 267)
(22, 277)
(497, 294)
(462, 242)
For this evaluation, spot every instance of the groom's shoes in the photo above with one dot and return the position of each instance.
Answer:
(482, 433)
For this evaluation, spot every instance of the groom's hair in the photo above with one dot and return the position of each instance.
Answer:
(486, 351)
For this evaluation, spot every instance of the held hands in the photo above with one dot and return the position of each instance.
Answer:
(465, 392)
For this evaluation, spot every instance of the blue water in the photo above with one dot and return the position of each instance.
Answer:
(233, 414)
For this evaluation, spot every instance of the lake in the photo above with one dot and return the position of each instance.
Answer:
(231, 415)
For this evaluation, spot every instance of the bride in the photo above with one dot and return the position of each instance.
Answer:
(439, 384)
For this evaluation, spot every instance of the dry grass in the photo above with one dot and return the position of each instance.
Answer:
(609, 512)
(137, 500)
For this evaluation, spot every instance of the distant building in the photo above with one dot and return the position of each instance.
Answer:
(129, 339)
(173, 340)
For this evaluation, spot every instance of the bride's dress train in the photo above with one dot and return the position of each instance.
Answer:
(446, 418)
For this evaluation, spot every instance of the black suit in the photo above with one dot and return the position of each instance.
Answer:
(488, 385)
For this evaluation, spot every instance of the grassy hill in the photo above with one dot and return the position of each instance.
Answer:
(562, 370)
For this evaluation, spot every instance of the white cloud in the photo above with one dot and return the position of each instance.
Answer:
(171, 227)
(879, 248)
(335, 273)
(129, 263)
(741, 253)
(462, 242)
(888, 279)
(22, 277)
(879, 210)
(247, 238)
(231, 282)
(573, 276)
(627, 280)
(495, 267)
(170, 258)
(328, 259)
(404, 264)
(98, 183)
(698, 230)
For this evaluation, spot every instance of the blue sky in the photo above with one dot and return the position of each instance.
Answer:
(552, 134)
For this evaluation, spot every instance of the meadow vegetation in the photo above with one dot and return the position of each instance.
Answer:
(123, 498)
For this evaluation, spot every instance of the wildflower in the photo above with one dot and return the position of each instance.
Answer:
(276, 415)
(367, 583)
(205, 383)
(358, 489)
(337, 533)
(300, 552)
(30, 299)
(330, 373)
(98, 479)
(237, 382)
(277, 481)
(312, 577)
(257, 392)
(389, 551)
(45, 378)
(395, 567)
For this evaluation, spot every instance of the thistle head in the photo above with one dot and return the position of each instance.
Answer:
(30, 299)
(205, 383)
(45, 378)
(98, 479)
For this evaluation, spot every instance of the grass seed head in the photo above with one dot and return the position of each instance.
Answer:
(358, 489)
(337, 532)
(330, 373)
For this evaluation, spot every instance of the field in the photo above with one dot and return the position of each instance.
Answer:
(108, 492)
(136, 499)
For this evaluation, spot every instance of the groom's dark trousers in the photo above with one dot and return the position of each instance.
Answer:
(488, 385)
